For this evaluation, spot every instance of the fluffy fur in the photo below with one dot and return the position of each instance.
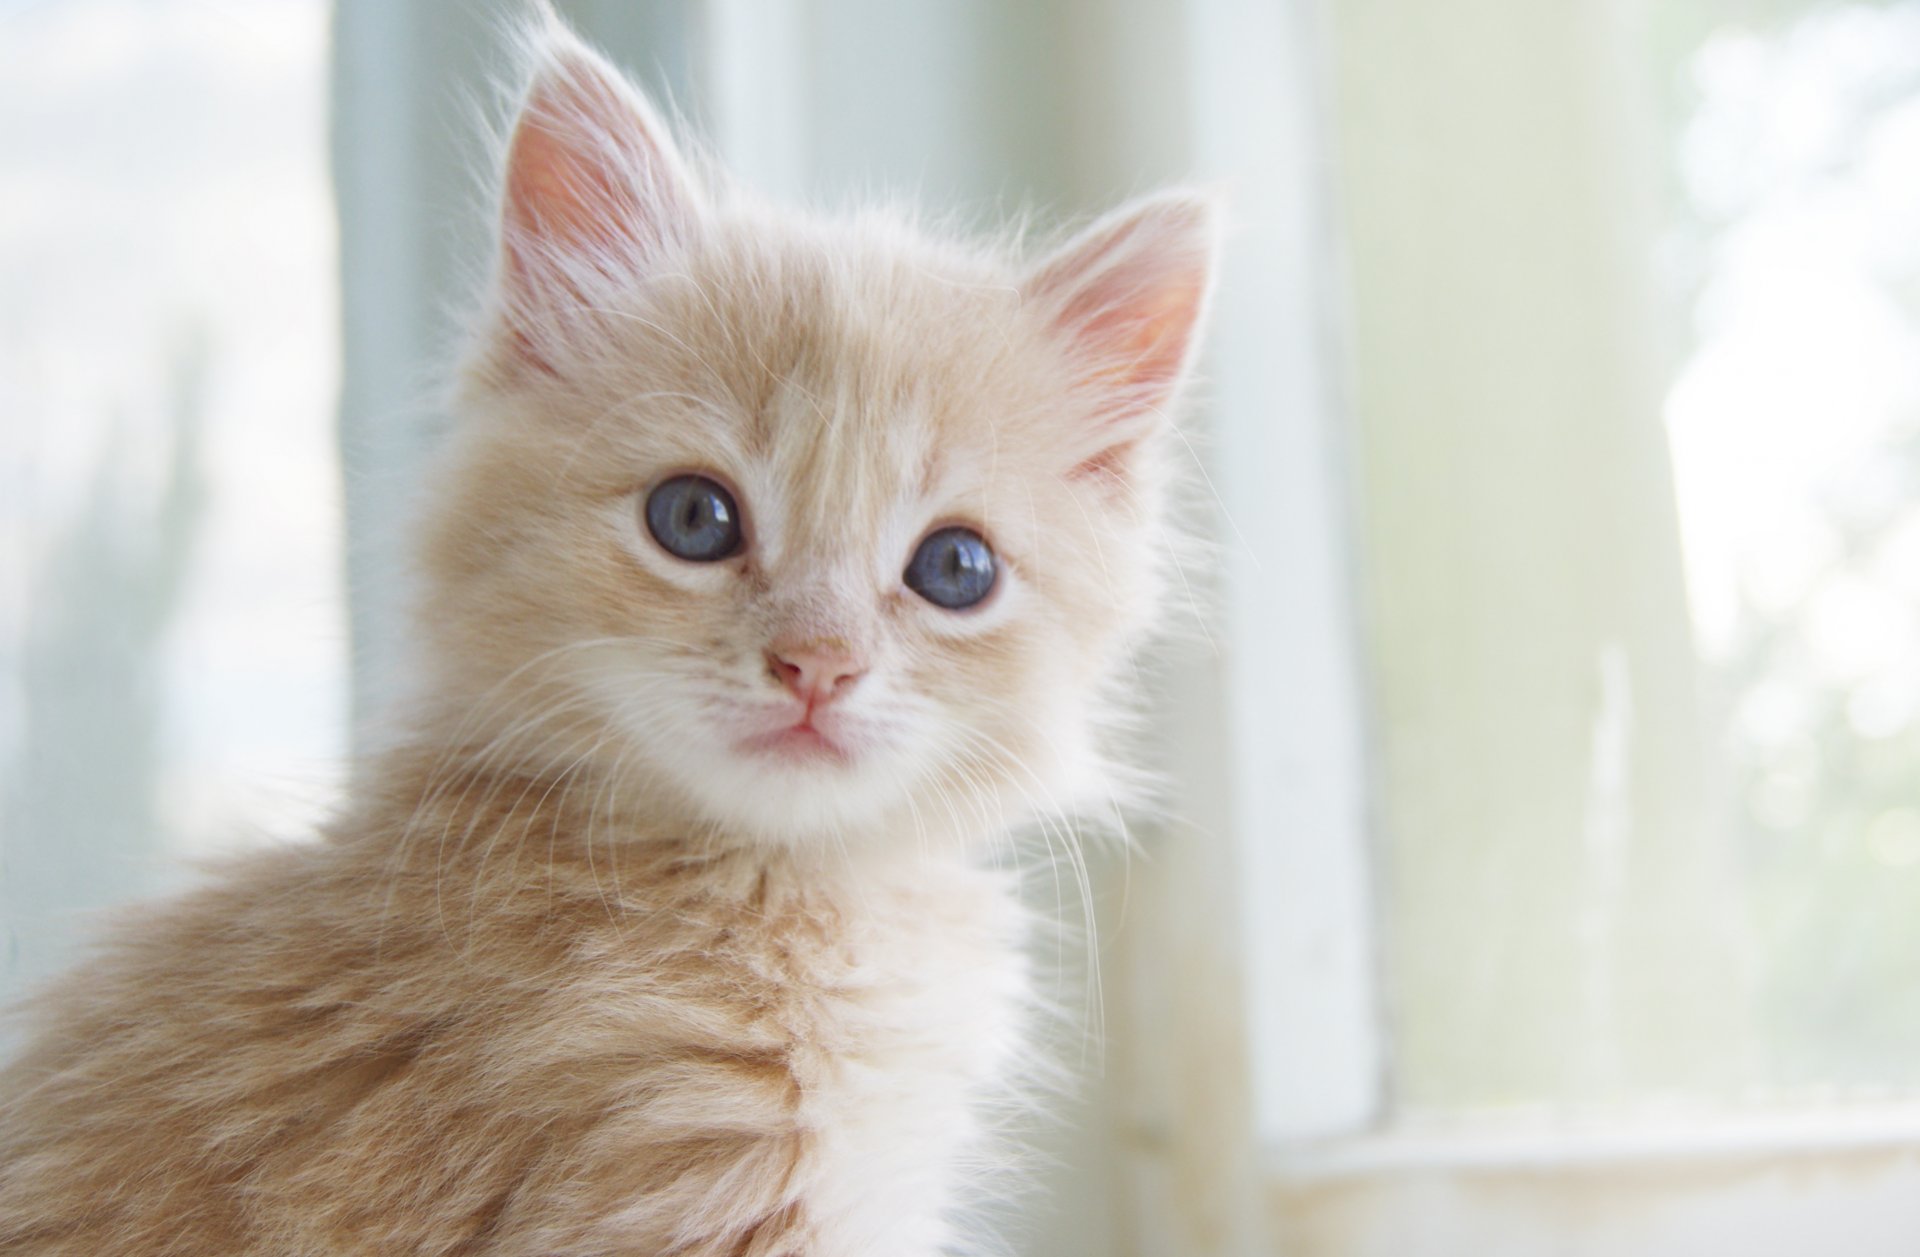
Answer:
(582, 968)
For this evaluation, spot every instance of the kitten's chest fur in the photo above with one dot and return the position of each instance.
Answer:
(840, 1026)
(507, 1041)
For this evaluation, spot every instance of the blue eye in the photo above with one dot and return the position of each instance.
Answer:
(694, 519)
(953, 568)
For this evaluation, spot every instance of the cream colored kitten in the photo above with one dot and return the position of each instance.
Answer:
(773, 576)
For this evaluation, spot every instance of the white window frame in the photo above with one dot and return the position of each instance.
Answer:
(1342, 1174)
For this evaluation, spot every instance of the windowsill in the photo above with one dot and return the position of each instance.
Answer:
(1534, 1144)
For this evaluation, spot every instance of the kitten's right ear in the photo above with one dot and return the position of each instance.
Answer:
(594, 193)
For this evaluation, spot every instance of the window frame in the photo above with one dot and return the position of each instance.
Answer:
(1343, 1172)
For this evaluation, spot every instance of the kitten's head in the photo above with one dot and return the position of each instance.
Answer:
(800, 528)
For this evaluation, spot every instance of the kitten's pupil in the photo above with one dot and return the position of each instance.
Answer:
(694, 518)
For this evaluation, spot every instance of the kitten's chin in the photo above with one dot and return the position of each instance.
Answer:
(793, 784)
(796, 791)
(835, 781)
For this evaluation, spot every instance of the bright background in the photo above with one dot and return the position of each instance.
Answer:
(1544, 866)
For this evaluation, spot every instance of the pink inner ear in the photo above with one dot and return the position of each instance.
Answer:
(593, 191)
(1128, 297)
(1109, 465)
(1141, 326)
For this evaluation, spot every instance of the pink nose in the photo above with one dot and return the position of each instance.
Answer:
(816, 671)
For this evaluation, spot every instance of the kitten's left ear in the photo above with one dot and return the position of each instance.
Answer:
(1127, 295)
(594, 192)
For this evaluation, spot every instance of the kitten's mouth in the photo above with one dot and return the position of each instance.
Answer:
(800, 743)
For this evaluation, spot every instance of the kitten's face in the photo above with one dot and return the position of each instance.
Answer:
(804, 529)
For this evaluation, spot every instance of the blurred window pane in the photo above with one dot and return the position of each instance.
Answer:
(172, 658)
(1636, 316)
(1795, 423)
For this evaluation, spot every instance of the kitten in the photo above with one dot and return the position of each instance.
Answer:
(774, 575)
